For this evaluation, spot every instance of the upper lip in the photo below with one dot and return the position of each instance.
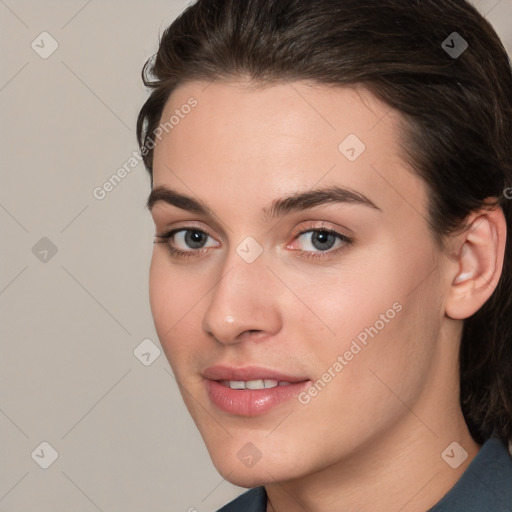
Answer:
(247, 373)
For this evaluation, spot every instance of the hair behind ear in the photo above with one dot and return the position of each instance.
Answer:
(486, 359)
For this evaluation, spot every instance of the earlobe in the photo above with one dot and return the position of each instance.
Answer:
(478, 263)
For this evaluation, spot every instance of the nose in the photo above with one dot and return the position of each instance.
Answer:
(244, 300)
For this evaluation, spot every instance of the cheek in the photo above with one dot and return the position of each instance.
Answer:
(160, 294)
(174, 302)
(342, 303)
(383, 312)
(387, 338)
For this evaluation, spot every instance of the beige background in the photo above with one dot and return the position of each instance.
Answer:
(72, 320)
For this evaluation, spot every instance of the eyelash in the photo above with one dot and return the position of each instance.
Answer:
(177, 253)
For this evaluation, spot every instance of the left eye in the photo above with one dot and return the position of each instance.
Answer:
(321, 240)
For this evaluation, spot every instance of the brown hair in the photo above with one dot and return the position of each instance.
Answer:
(457, 108)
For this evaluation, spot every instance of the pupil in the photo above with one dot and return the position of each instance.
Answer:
(194, 239)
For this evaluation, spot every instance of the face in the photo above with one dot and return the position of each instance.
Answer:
(328, 301)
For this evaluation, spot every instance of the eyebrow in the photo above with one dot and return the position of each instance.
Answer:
(279, 207)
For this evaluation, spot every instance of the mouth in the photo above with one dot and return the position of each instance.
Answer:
(250, 391)
(254, 384)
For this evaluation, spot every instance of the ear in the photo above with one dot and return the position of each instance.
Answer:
(478, 263)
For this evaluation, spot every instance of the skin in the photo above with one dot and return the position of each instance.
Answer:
(372, 439)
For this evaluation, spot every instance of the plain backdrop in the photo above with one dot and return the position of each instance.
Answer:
(74, 306)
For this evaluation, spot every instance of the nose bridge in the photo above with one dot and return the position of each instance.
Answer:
(241, 299)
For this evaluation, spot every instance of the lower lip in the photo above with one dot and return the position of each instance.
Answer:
(251, 402)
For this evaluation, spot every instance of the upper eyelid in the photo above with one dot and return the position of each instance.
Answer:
(341, 230)
(163, 216)
(186, 227)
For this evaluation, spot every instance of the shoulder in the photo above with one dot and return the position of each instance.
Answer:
(254, 500)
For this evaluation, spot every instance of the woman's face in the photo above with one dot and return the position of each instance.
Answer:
(333, 303)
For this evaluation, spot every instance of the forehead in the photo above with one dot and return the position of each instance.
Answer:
(268, 140)
(295, 110)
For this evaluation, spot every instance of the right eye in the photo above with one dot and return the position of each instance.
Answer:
(188, 241)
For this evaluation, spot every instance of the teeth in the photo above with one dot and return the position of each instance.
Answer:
(254, 384)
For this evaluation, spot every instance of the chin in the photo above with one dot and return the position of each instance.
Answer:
(266, 470)
(232, 469)
(246, 478)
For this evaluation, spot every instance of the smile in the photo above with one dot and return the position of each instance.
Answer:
(251, 390)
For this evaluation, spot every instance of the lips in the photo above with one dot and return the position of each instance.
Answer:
(250, 391)
(248, 373)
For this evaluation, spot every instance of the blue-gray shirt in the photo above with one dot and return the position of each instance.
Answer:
(485, 486)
